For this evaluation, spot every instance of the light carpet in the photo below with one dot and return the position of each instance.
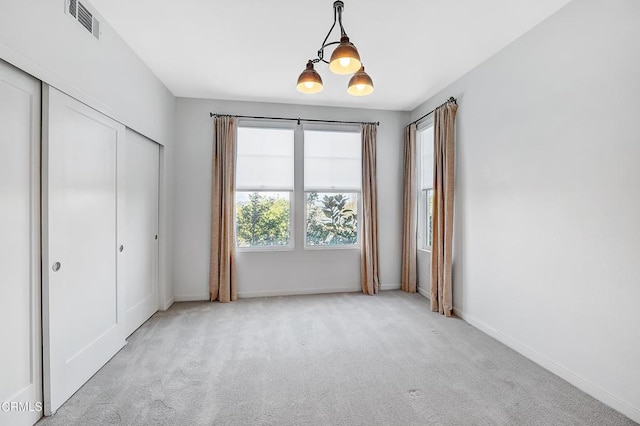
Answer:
(337, 359)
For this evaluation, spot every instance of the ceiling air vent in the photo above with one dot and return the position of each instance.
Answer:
(82, 14)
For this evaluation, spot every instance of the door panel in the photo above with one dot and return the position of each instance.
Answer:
(21, 353)
(138, 229)
(83, 321)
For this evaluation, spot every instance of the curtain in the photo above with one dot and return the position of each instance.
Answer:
(222, 268)
(443, 186)
(410, 202)
(369, 260)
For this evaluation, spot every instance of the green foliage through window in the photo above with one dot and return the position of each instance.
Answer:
(263, 219)
(332, 219)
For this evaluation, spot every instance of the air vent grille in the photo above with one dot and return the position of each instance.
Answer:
(83, 15)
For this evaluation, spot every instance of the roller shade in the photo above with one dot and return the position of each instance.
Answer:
(332, 160)
(425, 138)
(264, 159)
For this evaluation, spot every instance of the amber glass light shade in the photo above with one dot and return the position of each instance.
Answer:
(360, 84)
(345, 59)
(309, 81)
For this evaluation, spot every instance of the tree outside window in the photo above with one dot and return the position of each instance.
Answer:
(332, 218)
(262, 219)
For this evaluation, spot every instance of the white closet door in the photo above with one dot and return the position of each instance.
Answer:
(138, 165)
(82, 308)
(21, 351)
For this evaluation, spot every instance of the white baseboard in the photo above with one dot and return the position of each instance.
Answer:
(586, 386)
(191, 297)
(282, 292)
(386, 287)
(424, 292)
(167, 304)
(296, 292)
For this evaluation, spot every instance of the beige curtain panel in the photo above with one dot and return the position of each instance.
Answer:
(443, 187)
(369, 259)
(410, 202)
(222, 267)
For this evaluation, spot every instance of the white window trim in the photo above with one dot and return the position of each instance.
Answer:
(339, 128)
(422, 226)
(269, 125)
(421, 233)
(331, 127)
(423, 236)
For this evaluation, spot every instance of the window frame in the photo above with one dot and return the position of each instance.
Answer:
(268, 125)
(284, 247)
(338, 128)
(422, 230)
(423, 225)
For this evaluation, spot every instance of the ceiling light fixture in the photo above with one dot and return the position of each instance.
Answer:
(345, 59)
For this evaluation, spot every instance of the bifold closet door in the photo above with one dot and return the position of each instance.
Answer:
(83, 315)
(20, 347)
(139, 166)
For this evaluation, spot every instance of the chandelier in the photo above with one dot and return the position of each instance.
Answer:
(344, 60)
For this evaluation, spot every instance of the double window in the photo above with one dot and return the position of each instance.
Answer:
(266, 187)
(425, 187)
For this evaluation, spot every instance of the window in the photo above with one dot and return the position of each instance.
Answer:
(425, 186)
(264, 187)
(332, 183)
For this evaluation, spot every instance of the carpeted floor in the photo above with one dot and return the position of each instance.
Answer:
(339, 359)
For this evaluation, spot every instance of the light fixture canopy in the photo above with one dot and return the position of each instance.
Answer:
(360, 84)
(345, 59)
(309, 81)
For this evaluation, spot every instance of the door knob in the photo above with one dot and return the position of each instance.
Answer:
(121, 248)
(56, 267)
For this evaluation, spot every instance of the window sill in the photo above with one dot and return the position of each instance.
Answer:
(263, 249)
(424, 250)
(332, 247)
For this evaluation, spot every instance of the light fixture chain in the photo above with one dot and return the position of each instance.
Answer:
(324, 42)
(339, 7)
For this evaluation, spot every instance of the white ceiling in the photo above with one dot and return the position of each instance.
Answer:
(255, 50)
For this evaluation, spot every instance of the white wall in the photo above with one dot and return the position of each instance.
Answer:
(267, 273)
(547, 231)
(39, 38)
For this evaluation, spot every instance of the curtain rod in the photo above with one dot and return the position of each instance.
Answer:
(377, 123)
(450, 100)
